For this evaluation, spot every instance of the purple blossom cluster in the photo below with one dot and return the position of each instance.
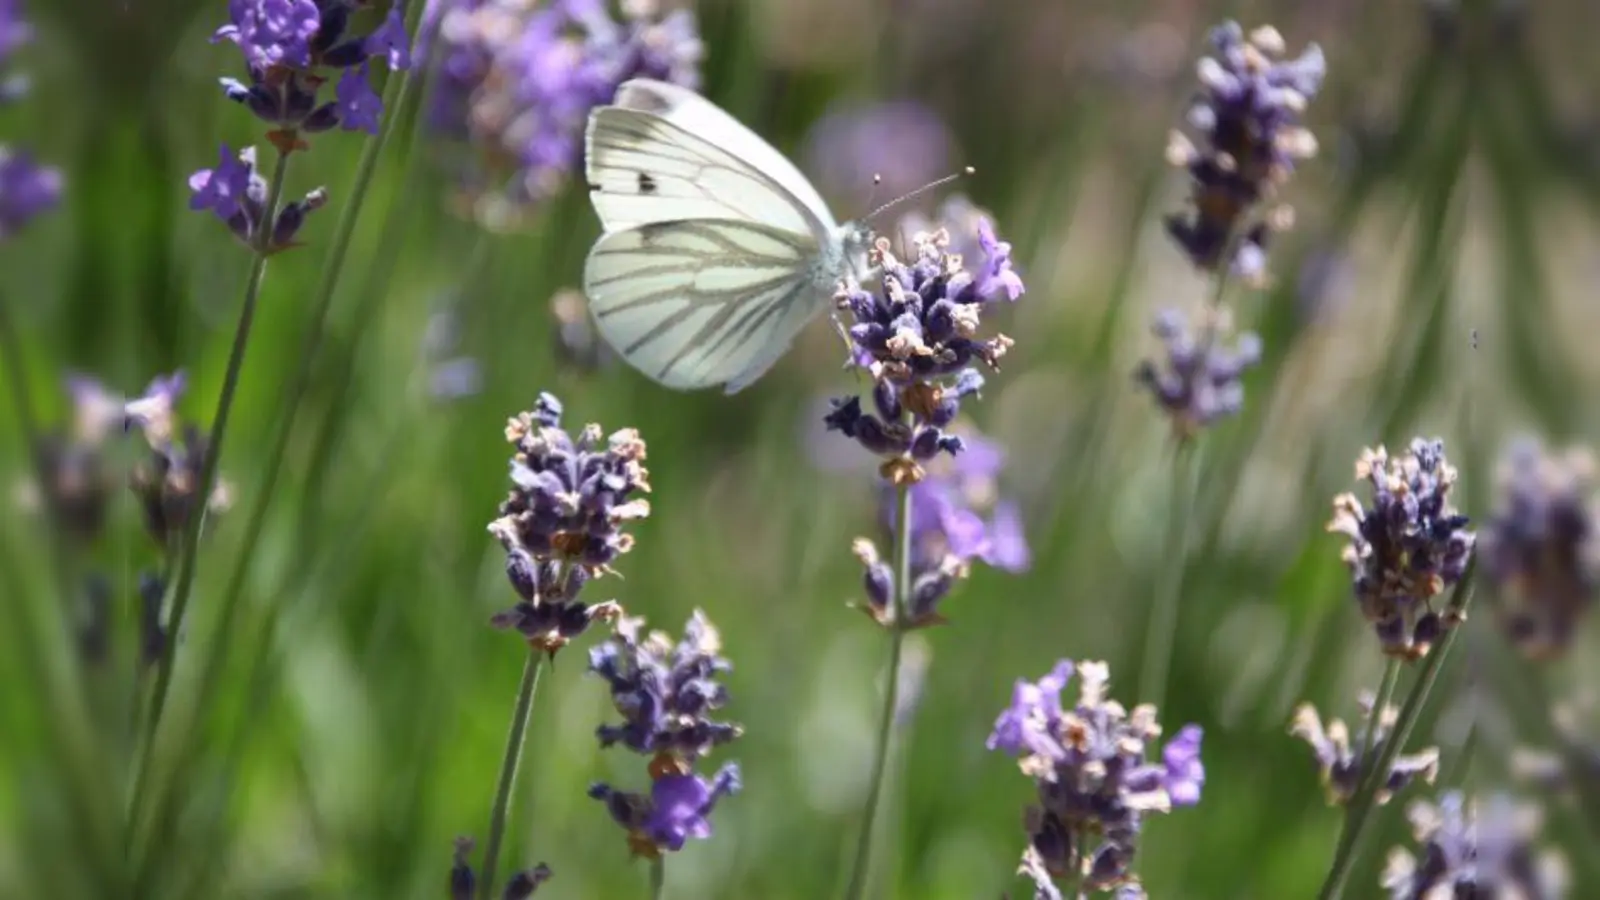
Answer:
(1408, 548)
(464, 880)
(1540, 548)
(1473, 851)
(517, 81)
(1095, 783)
(957, 517)
(1344, 762)
(918, 338)
(27, 188)
(1246, 120)
(562, 523)
(237, 194)
(1200, 380)
(288, 48)
(667, 694)
(78, 476)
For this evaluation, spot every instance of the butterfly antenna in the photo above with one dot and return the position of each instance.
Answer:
(919, 192)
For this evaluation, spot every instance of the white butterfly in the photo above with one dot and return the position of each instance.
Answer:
(716, 251)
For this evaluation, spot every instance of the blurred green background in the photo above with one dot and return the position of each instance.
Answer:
(1439, 281)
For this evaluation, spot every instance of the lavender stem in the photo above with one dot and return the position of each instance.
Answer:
(658, 878)
(897, 635)
(508, 768)
(208, 479)
(1361, 806)
(1163, 628)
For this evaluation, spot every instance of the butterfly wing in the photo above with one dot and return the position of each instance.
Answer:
(663, 153)
(700, 302)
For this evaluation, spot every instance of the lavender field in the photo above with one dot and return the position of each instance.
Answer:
(443, 457)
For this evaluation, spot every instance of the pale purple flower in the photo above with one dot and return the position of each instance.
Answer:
(390, 42)
(1095, 784)
(1185, 775)
(360, 108)
(27, 189)
(237, 194)
(666, 692)
(1199, 381)
(222, 190)
(996, 276)
(517, 82)
(14, 32)
(1476, 850)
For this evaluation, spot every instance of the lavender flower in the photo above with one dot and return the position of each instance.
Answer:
(237, 194)
(1342, 761)
(77, 486)
(1246, 117)
(517, 81)
(288, 45)
(167, 480)
(667, 694)
(1473, 852)
(948, 532)
(562, 523)
(893, 148)
(918, 339)
(464, 881)
(1095, 784)
(14, 32)
(27, 189)
(1200, 381)
(1407, 549)
(1540, 548)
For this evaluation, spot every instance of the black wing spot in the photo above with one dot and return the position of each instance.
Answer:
(647, 185)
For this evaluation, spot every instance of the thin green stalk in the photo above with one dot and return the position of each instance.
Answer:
(658, 878)
(1362, 805)
(1391, 677)
(187, 558)
(897, 635)
(508, 770)
(1163, 630)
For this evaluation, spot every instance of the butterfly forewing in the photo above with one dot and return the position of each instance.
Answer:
(716, 139)
(703, 302)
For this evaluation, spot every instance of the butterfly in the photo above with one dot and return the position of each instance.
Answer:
(716, 250)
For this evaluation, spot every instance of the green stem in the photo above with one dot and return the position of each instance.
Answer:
(891, 698)
(658, 878)
(508, 770)
(187, 558)
(1391, 677)
(1163, 628)
(1362, 805)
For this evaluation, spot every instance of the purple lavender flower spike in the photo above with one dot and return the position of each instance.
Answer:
(667, 693)
(464, 881)
(1095, 782)
(1409, 548)
(1541, 546)
(1246, 121)
(562, 524)
(1476, 850)
(237, 194)
(996, 277)
(1200, 380)
(1341, 757)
